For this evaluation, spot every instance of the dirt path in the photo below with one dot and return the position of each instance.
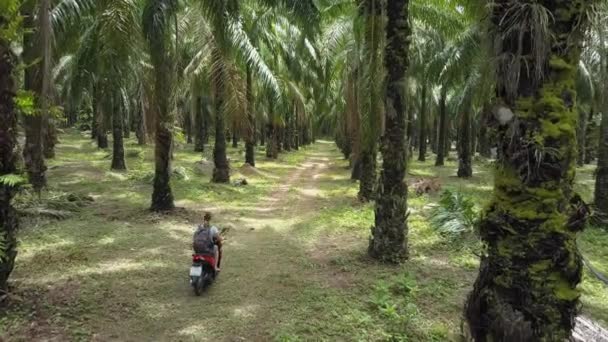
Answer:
(262, 271)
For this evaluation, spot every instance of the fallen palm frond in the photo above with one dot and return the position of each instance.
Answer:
(455, 216)
(59, 206)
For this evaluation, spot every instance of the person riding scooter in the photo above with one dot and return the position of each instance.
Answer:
(208, 241)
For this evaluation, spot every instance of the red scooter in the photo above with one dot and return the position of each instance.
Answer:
(202, 272)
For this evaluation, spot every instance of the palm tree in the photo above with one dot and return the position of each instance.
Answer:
(389, 236)
(371, 80)
(36, 56)
(156, 18)
(443, 127)
(9, 11)
(526, 289)
(105, 63)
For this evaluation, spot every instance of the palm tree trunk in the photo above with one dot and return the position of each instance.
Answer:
(474, 140)
(278, 138)
(581, 137)
(294, 130)
(94, 128)
(443, 129)
(410, 132)
(355, 124)
(389, 235)
(235, 138)
(423, 124)
(465, 169)
(50, 137)
(8, 142)
(526, 289)
(221, 172)
(263, 134)
(162, 195)
(485, 144)
(188, 126)
(287, 134)
(250, 136)
(140, 125)
(367, 183)
(102, 134)
(589, 138)
(207, 120)
(434, 134)
(601, 179)
(199, 129)
(118, 149)
(33, 123)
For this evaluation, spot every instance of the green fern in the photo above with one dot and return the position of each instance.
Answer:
(455, 216)
(12, 180)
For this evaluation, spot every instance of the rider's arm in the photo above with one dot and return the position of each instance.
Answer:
(217, 238)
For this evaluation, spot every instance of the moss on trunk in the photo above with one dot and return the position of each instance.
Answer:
(526, 289)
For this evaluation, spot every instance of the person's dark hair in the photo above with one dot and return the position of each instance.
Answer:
(207, 216)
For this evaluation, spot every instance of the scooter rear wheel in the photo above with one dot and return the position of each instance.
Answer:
(198, 283)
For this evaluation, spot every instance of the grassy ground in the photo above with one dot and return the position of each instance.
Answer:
(294, 268)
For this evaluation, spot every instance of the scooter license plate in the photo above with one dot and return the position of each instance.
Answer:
(196, 271)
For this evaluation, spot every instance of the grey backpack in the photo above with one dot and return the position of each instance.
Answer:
(203, 241)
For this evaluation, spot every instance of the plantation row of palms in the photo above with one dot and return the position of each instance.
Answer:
(385, 77)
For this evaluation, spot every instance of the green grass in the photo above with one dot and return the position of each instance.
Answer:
(295, 267)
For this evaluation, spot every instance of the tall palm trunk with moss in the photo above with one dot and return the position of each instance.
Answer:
(8, 159)
(465, 169)
(118, 149)
(443, 129)
(423, 124)
(526, 289)
(33, 122)
(601, 180)
(156, 18)
(221, 171)
(388, 241)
